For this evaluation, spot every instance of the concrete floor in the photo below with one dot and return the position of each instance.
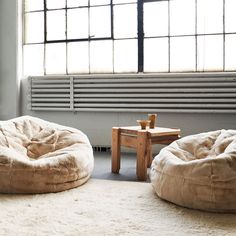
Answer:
(102, 167)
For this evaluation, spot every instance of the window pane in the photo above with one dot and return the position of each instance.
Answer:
(123, 1)
(210, 16)
(125, 56)
(77, 23)
(182, 17)
(230, 52)
(77, 3)
(52, 4)
(230, 16)
(33, 59)
(34, 27)
(100, 22)
(210, 53)
(32, 5)
(56, 58)
(182, 54)
(78, 57)
(56, 25)
(125, 21)
(99, 2)
(156, 55)
(156, 18)
(101, 56)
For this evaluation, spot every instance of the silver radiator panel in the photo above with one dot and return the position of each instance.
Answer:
(200, 92)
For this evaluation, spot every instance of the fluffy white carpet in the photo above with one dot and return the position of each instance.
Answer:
(105, 207)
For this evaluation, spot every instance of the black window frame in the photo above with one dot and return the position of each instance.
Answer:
(45, 10)
(140, 31)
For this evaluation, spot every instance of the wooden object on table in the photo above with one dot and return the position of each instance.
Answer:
(144, 123)
(152, 118)
(142, 141)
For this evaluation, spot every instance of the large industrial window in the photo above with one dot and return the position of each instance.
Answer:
(128, 36)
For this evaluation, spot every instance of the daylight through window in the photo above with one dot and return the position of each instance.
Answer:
(128, 36)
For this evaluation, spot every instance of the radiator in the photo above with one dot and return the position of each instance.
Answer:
(189, 92)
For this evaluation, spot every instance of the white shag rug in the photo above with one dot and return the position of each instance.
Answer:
(105, 207)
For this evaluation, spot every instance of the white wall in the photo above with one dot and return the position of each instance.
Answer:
(8, 59)
(96, 125)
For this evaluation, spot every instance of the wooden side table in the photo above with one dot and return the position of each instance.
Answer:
(141, 140)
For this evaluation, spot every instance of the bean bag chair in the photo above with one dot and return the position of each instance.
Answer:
(37, 156)
(198, 171)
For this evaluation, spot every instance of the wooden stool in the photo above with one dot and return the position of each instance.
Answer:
(141, 140)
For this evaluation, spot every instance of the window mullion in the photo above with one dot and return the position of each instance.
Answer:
(168, 35)
(112, 20)
(196, 38)
(89, 42)
(223, 35)
(66, 26)
(45, 21)
(45, 36)
(112, 33)
(140, 36)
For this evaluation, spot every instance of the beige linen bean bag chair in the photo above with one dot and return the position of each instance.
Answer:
(37, 156)
(198, 171)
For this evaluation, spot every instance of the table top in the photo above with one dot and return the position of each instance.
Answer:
(157, 131)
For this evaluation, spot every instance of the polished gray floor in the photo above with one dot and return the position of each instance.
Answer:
(102, 167)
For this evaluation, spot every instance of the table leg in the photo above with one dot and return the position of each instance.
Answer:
(115, 150)
(142, 151)
(149, 153)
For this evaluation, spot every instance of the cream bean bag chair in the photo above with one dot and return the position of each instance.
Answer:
(37, 156)
(198, 171)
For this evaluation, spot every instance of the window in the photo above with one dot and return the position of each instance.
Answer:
(128, 36)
